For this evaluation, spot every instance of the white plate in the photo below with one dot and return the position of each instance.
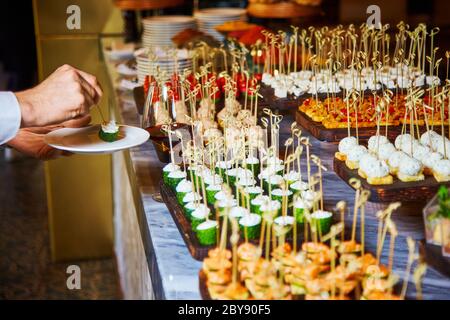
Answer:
(86, 140)
(213, 12)
(165, 19)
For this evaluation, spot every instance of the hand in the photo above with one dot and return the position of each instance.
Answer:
(66, 94)
(30, 141)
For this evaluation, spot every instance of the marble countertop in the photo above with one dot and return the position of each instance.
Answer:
(174, 272)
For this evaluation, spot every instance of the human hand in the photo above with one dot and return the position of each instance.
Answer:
(31, 141)
(66, 94)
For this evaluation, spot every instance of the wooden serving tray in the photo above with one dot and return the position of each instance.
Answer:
(416, 191)
(198, 251)
(285, 105)
(204, 292)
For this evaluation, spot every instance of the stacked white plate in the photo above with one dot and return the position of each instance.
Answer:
(208, 19)
(159, 31)
(158, 61)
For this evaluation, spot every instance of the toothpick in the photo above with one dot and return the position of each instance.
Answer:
(342, 207)
(411, 257)
(418, 275)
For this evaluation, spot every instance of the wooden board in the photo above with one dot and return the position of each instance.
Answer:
(417, 191)
(198, 251)
(204, 292)
(284, 105)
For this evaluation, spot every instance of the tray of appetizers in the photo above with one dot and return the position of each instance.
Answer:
(409, 169)
(320, 132)
(190, 218)
(199, 196)
(307, 274)
(327, 119)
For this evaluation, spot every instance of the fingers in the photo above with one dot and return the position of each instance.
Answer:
(92, 80)
(79, 122)
(48, 153)
(89, 94)
(33, 145)
(41, 130)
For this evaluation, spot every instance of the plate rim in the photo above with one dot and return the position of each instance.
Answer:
(84, 151)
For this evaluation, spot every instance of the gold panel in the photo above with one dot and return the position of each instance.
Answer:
(79, 188)
(97, 16)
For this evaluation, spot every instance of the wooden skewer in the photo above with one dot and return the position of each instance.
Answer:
(418, 274)
(101, 114)
(411, 257)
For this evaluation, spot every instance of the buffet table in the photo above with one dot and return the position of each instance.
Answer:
(153, 260)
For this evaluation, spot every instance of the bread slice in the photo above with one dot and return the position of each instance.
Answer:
(340, 156)
(384, 180)
(362, 174)
(440, 177)
(393, 170)
(407, 178)
(352, 164)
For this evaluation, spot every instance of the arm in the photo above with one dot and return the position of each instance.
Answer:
(10, 115)
(66, 94)
(31, 141)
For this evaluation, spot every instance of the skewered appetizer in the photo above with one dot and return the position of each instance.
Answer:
(408, 159)
(308, 273)
(247, 202)
(332, 113)
(109, 132)
(340, 270)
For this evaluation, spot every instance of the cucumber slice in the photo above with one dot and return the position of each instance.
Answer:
(175, 177)
(272, 206)
(207, 232)
(279, 194)
(298, 186)
(299, 209)
(226, 204)
(184, 187)
(252, 164)
(168, 169)
(108, 136)
(199, 215)
(256, 203)
(322, 220)
(189, 208)
(292, 177)
(211, 192)
(250, 224)
(238, 212)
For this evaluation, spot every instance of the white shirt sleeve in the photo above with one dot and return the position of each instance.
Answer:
(10, 116)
